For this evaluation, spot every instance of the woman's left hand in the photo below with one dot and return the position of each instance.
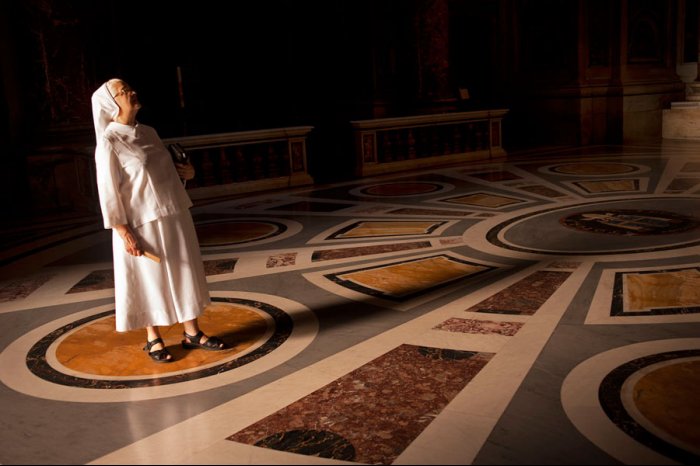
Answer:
(185, 170)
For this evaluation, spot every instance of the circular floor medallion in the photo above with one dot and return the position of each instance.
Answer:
(237, 232)
(401, 189)
(639, 402)
(131, 374)
(97, 349)
(575, 229)
(591, 169)
(654, 400)
(630, 222)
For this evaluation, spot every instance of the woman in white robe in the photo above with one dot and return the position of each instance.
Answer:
(158, 272)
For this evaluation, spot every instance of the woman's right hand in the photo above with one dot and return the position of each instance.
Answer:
(131, 243)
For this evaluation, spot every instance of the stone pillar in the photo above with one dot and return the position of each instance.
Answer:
(693, 93)
(432, 52)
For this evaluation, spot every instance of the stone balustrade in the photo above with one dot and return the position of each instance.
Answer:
(387, 145)
(246, 161)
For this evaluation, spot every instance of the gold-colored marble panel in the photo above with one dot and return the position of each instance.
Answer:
(484, 200)
(668, 398)
(680, 288)
(401, 189)
(98, 349)
(368, 229)
(410, 277)
(606, 186)
(595, 168)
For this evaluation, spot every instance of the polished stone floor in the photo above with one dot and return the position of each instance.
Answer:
(542, 308)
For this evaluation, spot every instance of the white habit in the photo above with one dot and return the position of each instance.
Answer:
(138, 185)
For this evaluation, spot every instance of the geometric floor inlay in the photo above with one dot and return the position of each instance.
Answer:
(237, 232)
(95, 280)
(529, 309)
(85, 349)
(638, 402)
(630, 222)
(657, 292)
(343, 253)
(406, 279)
(482, 327)
(524, 297)
(483, 200)
(654, 400)
(20, 288)
(98, 350)
(373, 413)
(400, 189)
(600, 168)
(373, 229)
(608, 186)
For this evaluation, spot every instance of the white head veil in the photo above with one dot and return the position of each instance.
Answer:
(104, 109)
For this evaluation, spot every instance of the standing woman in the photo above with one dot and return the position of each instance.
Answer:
(145, 204)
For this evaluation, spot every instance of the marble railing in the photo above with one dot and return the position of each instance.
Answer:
(246, 161)
(387, 145)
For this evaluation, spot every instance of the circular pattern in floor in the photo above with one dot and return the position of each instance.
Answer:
(96, 349)
(63, 359)
(236, 232)
(221, 235)
(575, 229)
(630, 222)
(639, 402)
(593, 168)
(401, 189)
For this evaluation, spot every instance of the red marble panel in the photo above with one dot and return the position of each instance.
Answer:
(95, 280)
(342, 253)
(525, 296)
(20, 288)
(373, 413)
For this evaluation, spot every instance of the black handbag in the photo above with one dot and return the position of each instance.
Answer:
(178, 153)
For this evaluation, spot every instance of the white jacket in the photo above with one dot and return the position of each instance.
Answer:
(136, 178)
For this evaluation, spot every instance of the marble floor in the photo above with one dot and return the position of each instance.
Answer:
(542, 308)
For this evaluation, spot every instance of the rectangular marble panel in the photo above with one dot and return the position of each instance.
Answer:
(342, 253)
(495, 176)
(482, 327)
(371, 229)
(542, 191)
(658, 292)
(484, 200)
(682, 184)
(435, 212)
(691, 167)
(607, 186)
(373, 413)
(306, 206)
(219, 266)
(524, 297)
(281, 260)
(12, 290)
(94, 281)
(404, 279)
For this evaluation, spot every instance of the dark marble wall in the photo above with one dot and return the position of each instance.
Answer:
(273, 63)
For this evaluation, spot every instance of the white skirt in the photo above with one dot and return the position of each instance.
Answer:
(148, 293)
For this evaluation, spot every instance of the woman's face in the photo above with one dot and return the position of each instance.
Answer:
(125, 96)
